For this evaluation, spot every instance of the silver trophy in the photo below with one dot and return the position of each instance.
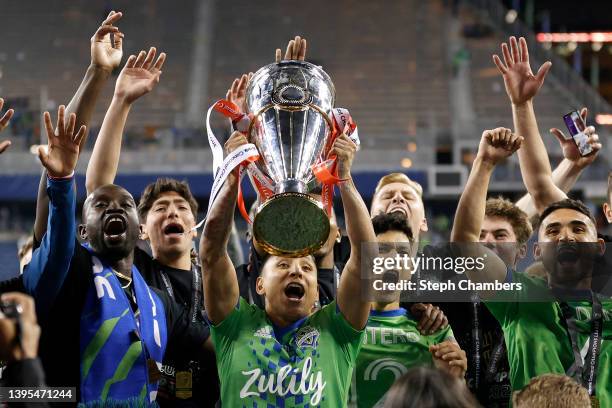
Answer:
(291, 104)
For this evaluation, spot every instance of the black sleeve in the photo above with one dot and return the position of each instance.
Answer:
(144, 263)
(12, 285)
(25, 373)
(247, 277)
(327, 285)
(182, 333)
(342, 252)
(79, 275)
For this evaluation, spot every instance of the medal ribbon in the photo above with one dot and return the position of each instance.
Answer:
(587, 376)
(242, 157)
(326, 171)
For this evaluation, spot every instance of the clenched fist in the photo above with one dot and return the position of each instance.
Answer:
(498, 144)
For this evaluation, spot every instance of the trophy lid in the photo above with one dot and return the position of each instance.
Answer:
(290, 83)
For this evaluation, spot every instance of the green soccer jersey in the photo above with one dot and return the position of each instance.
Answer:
(392, 344)
(538, 342)
(307, 364)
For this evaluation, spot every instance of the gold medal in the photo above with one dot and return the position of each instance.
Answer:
(184, 383)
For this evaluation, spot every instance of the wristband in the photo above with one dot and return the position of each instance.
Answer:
(68, 177)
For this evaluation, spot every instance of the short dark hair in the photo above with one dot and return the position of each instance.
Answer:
(165, 185)
(568, 203)
(394, 221)
(429, 387)
(517, 218)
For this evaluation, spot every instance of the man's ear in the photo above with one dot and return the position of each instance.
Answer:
(522, 252)
(608, 212)
(83, 232)
(424, 226)
(259, 288)
(602, 246)
(143, 233)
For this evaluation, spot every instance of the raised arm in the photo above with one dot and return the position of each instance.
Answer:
(139, 76)
(218, 274)
(359, 228)
(105, 56)
(44, 276)
(106, 53)
(495, 145)
(521, 87)
(4, 120)
(567, 172)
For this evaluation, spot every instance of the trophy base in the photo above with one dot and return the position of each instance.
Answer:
(292, 225)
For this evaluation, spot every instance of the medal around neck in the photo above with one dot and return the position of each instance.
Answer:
(291, 104)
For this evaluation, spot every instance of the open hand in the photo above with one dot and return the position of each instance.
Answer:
(63, 150)
(106, 53)
(497, 144)
(296, 50)
(139, 76)
(521, 84)
(237, 92)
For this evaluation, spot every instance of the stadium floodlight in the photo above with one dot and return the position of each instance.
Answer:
(406, 163)
(603, 119)
(595, 37)
(511, 16)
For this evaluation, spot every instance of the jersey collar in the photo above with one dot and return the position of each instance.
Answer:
(388, 313)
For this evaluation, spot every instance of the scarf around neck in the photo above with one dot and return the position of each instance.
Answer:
(117, 347)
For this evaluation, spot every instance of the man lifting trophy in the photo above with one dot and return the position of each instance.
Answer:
(291, 125)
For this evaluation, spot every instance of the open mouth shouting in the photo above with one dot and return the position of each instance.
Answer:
(174, 230)
(295, 291)
(115, 228)
(567, 254)
(390, 276)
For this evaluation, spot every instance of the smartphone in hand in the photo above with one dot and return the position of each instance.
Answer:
(576, 127)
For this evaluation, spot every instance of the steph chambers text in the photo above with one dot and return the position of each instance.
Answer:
(445, 286)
